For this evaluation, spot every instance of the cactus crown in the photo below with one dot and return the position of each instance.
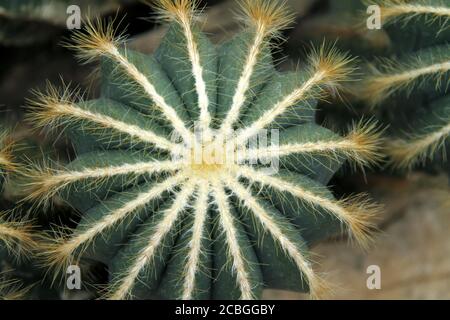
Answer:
(417, 80)
(165, 202)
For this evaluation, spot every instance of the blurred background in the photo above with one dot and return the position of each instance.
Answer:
(412, 249)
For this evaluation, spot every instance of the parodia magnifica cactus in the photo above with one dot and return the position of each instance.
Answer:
(170, 224)
(414, 83)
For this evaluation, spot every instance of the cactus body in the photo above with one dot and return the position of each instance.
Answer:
(15, 236)
(206, 227)
(412, 88)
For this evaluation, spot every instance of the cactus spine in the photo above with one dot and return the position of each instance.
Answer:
(15, 236)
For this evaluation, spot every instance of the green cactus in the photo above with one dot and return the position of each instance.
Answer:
(414, 84)
(21, 273)
(164, 201)
(15, 237)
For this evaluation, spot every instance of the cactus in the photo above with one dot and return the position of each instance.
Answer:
(11, 289)
(414, 83)
(169, 223)
(15, 237)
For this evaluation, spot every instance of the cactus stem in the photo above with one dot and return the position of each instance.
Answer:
(398, 9)
(406, 153)
(243, 85)
(234, 252)
(269, 116)
(381, 85)
(94, 42)
(269, 224)
(328, 70)
(358, 219)
(49, 183)
(54, 108)
(182, 12)
(60, 251)
(197, 71)
(200, 85)
(168, 111)
(124, 284)
(362, 145)
(198, 232)
(268, 17)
